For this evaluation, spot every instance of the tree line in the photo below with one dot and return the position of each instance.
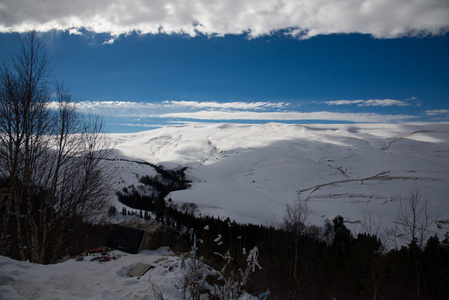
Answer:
(156, 190)
(325, 263)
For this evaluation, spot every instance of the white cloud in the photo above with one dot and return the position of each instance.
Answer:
(127, 108)
(381, 18)
(371, 102)
(75, 31)
(110, 41)
(119, 108)
(231, 111)
(227, 105)
(288, 116)
(438, 114)
(344, 102)
(384, 102)
(140, 125)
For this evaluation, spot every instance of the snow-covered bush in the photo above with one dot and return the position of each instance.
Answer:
(201, 282)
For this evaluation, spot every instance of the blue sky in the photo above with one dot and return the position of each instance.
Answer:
(155, 63)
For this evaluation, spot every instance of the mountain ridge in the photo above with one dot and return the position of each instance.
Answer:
(249, 172)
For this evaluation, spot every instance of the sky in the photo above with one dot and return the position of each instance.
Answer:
(148, 63)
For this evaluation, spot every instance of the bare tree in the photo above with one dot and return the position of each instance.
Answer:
(414, 220)
(51, 158)
(23, 124)
(296, 216)
(415, 216)
(371, 222)
(295, 220)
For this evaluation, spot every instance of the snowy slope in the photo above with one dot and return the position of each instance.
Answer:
(249, 172)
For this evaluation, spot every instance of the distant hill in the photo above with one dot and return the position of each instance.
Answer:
(249, 172)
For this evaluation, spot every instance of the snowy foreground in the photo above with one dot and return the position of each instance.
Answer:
(95, 280)
(249, 172)
(90, 279)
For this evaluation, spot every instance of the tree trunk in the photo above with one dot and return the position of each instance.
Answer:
(296, 258)
(19, 227)
(5, 223)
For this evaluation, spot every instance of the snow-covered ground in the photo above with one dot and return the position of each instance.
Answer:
(111, 279)
(92, 279)
(249, 172)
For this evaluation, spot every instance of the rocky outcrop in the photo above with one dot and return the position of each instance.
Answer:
(156, 235)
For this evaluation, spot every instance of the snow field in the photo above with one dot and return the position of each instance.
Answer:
(249, 172)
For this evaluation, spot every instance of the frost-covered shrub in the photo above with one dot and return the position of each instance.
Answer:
(202, 282)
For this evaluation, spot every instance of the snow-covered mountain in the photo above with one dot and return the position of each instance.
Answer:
(249, 172)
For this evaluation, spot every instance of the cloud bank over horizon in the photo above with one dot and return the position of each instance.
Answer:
(302, 19)
(156, 114)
